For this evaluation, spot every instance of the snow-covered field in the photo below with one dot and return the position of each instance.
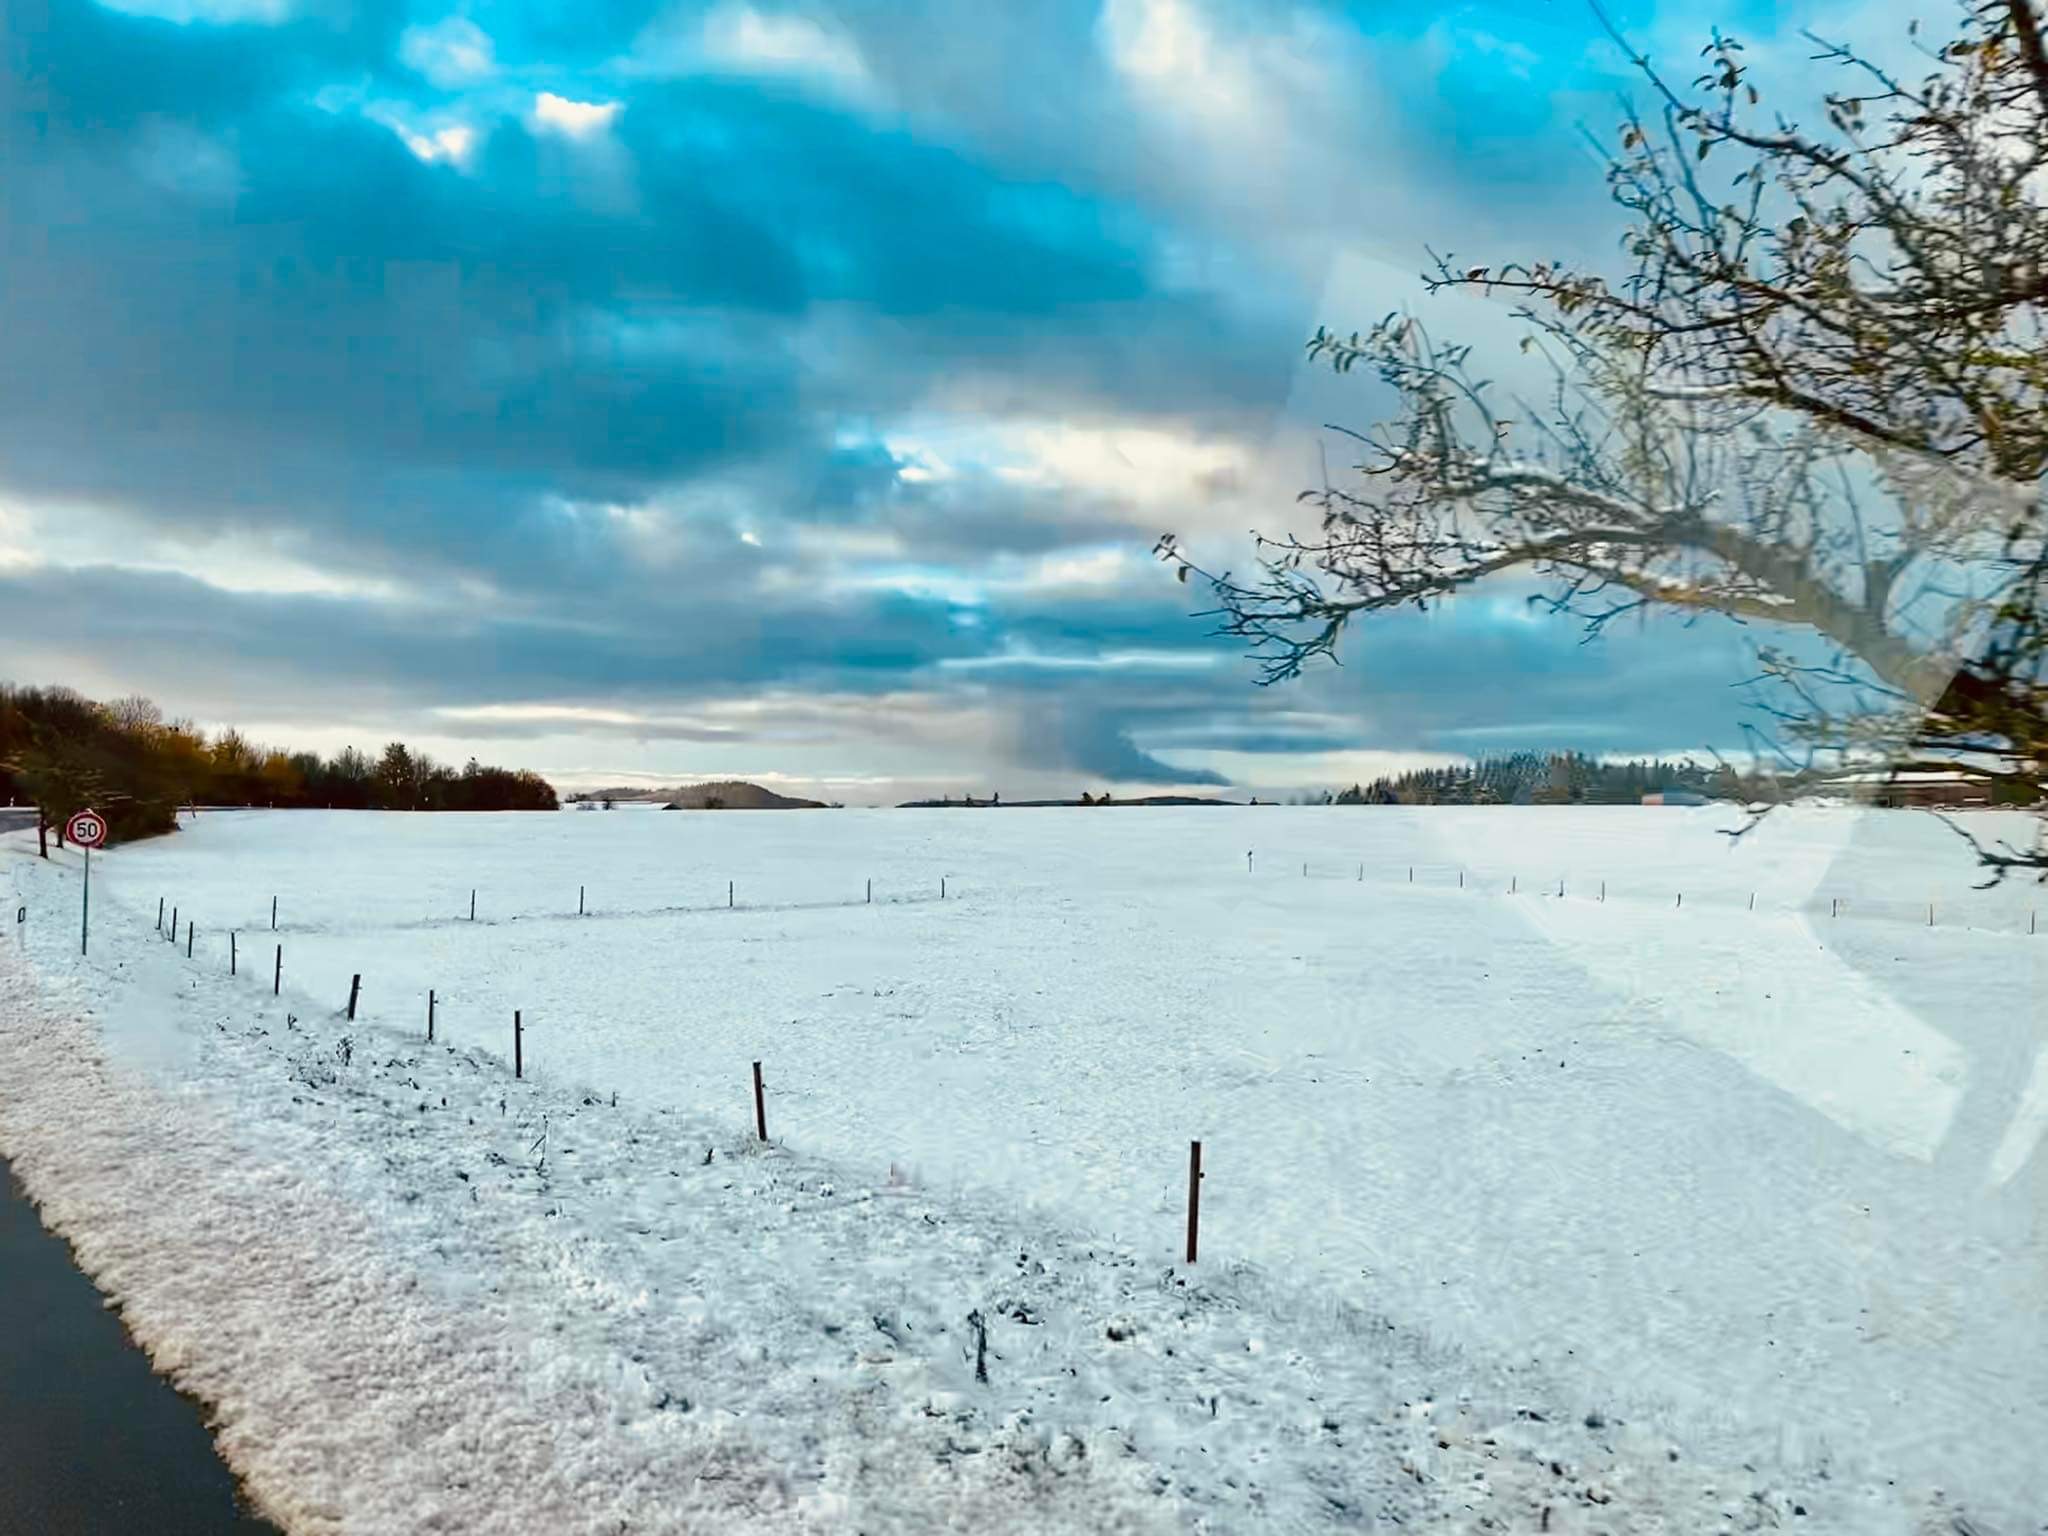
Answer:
(1706, 1192)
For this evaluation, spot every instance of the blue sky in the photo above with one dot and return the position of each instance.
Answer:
(790, 390)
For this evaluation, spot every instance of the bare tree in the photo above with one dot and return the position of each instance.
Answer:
(1817, 401)
(135, 714)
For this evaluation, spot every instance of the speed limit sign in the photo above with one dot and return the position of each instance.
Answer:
(87, 830)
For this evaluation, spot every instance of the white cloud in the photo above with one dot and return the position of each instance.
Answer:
(574, 119)
(1127, 463)
(80, 536)
(449, 53)
(451, 144)
(919, 465)
(16, 539)
(1277, 131)
(742, 38)
(1244, 96)
(1170, 42)
(1110, 568)
(569, 717)
(1098, 661)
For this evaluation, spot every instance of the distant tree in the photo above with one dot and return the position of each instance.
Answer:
(63, 751)
(281, 780)
(397, 778)
(136, 715)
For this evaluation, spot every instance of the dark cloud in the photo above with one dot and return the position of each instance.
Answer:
(1090, 737)
(412, 354)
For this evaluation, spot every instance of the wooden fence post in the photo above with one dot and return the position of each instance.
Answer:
(173, 935)
(1194, 1195)
(472, 905)
(273, 914)
(355, 986)
(231, 951)
(728, 896)
(518, 1047)
(277, 976)
(760, 1106)
(159, 914)
(430, 1015)
(579, 901)
(188, 938)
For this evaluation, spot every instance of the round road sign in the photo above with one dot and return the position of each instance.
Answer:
(88, 829)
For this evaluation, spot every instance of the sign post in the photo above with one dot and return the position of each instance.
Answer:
(88, 829)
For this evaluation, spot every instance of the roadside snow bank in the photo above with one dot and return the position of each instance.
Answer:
(421, 1296)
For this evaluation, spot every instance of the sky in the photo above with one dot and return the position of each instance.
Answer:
(645, 392)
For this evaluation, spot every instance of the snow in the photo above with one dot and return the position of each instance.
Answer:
(1751, 1187)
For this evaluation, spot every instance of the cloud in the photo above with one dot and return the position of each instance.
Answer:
(453, 143)
(1076, 734)
(574, 119)
(451, 53)
(751, 41)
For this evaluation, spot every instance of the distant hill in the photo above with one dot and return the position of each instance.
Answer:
(735, 795)
(1006, 805)
(724, 795)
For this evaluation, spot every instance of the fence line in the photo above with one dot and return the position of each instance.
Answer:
(1917, 911)
(677, 909)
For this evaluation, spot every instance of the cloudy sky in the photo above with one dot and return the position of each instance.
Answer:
(630, 389)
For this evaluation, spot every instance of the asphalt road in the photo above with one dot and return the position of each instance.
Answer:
(92, 1442)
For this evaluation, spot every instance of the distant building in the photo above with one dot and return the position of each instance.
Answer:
(1893, 790)
(1674, 797)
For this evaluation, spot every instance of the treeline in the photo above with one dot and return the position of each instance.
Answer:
(1555, 778)
(62, 752)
